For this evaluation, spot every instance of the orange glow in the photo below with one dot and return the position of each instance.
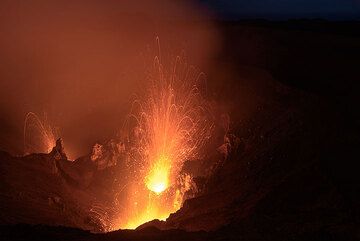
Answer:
(166, 128)
(83, 84)
(158, 178)
(153, 210)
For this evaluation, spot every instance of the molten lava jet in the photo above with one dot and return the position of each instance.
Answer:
(39, 136)
(158, 177)
(166, 128)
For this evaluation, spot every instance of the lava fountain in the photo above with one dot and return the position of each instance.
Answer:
(158, 177)
(169, 126)
(39, 136)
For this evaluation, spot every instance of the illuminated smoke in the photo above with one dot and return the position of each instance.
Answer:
(79, 62)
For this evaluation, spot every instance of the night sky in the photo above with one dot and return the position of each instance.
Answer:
(284, 9)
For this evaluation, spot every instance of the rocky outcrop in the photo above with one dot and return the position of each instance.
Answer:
(49, 189)
(279, 178)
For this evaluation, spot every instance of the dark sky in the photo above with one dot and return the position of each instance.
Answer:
(277, 9)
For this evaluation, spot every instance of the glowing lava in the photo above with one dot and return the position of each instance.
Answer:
(168, 126)
(158, 177)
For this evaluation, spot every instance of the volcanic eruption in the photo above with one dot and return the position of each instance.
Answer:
(137, 143)
(166, 127)
(134, 171)
(170, 122)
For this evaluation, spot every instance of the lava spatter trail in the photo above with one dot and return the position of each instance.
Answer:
(39, 136)
(165, 128)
